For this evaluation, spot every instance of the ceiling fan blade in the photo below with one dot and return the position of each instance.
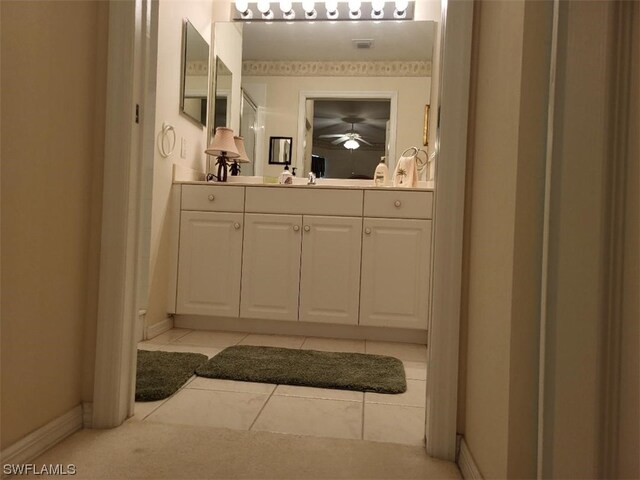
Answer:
(335, 135)
(339, 140)
(360, 139)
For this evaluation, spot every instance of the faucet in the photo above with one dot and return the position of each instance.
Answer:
(312, 178)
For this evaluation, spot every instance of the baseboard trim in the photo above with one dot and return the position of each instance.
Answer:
(87, 414)
(276, 327)
(466, 464)
(42, 439)
(158, 328)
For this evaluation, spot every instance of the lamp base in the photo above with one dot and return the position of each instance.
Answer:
(222, 169)
(235, 169)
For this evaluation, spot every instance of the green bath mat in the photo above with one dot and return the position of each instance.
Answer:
(309, 368)
(160, 374)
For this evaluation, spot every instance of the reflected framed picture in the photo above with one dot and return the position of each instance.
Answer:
(425, 130)
(280, 150)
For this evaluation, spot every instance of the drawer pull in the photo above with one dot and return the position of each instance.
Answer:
(236, 226)
(296, 228)
(367, 231)
(307, 228)
(398, 203)
(211, 197)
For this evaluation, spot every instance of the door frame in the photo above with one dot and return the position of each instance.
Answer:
(127, 201)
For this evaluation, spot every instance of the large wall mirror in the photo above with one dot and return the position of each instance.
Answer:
(347, 93)
(223, 88)
(195, 74)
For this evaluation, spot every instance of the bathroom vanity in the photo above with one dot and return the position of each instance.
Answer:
(334, 255)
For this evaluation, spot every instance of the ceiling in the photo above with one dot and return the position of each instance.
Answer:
(334, 116)
(333, 41)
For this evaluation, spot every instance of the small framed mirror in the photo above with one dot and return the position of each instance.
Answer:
(195, 74)
(280, 150)
(223, 87)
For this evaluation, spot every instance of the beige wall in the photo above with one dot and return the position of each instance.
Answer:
(499, 362)
(170, 18)
(282, 98)
(53, 91)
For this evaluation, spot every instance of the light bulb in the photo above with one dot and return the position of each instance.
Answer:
(401, 5)
(351, 144)
(264, 6)
(376, 5)
(354, 5)
(331, 5)
(286, 6)
(242, 5)
(308, 5)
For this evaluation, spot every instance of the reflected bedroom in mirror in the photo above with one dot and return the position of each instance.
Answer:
(345, 93)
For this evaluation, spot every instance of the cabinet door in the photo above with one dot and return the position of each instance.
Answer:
(209, 263)
(330, 275)
(271, 266)
(395, 273)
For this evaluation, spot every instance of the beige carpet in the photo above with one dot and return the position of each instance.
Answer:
(160, 451)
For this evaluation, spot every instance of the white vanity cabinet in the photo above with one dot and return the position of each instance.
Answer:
(271, 266)
(396, 259)
(210, 250)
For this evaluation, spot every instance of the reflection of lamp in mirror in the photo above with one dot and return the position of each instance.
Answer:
(243, 158)
(377, 9)
(309, 9)
(401, 9)
(223, 147)
(351, 144)
(264, 7)
(243, 7)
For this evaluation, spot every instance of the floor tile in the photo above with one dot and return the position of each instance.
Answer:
(203, 383)
(333, 345)
(170, 335)
(282, 341)
(312, 392)
(148, 346)
(394, 423)
(206, 338)
(142, 409)
(210, 408)
(177, 347)
(415, 396)
(407, 352)
(310, 416)
(415, 370)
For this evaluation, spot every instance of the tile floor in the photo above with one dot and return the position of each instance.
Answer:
(290, 409)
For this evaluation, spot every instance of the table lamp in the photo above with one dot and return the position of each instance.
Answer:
(223, 147)
(243, 158)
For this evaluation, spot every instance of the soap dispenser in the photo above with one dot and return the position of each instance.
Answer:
(285, 177)
(381, 173)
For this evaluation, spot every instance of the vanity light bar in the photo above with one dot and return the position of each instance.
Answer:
(332, 10)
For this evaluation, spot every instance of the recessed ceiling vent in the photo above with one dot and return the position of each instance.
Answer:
(363, 43)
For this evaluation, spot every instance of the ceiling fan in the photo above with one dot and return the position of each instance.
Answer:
(351, 139)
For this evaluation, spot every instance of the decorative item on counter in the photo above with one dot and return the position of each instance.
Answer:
(381, 174)
(223, 147)
(285, 177)
(406, 172)
(243, 158)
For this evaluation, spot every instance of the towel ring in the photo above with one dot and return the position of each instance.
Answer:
(415, 151)
(421, 164)
(164, 134)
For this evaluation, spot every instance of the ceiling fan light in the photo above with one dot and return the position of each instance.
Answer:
(351, 144)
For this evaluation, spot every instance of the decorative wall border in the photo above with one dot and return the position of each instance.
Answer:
(337, 69)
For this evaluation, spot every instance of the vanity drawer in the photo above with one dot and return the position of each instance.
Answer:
(212, 198)
(304, 201)
(397, 204)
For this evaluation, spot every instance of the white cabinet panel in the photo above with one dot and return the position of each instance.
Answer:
(395, 273)
(209, 263)
(271, 266)
(330, 275)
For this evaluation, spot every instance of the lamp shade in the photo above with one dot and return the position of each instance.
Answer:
(243, 158)
(223, 143)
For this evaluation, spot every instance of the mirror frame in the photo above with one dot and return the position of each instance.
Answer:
(271, 152)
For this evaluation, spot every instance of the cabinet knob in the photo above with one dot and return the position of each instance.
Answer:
(307, 228)
(211, 198)
(397, 203)
(367, 231)
(296, 228)
(236, 226)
